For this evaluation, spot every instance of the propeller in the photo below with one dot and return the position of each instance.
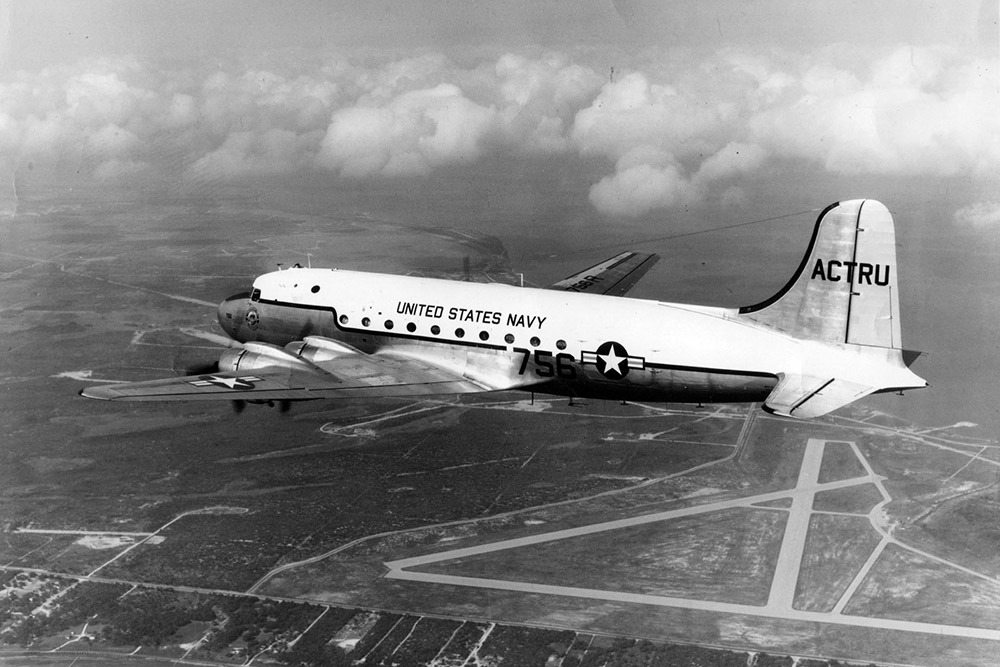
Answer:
(238, 406)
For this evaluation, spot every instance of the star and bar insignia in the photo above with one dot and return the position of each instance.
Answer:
(245, 383)
(613, 360)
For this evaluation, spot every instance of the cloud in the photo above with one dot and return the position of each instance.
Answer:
(979, 215)
(909, 112)
(668, 128)
(734, 159)
(271, 152)
(117, 170)
(409, 134)
(648, 179)
(919, 111)
(638, 189)
(539, 98)
(634, 112)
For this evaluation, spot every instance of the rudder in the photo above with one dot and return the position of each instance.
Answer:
(845, 289)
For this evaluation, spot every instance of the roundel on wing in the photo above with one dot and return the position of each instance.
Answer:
(612, 360)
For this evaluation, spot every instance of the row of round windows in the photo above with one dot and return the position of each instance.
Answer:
(459, 332)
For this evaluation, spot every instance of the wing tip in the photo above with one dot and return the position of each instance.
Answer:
(98, 393)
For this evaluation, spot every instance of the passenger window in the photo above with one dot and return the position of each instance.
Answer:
(255, 295)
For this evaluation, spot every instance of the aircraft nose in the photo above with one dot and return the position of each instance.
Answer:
(231, 313)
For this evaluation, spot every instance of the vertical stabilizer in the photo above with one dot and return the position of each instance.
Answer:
(845, 289)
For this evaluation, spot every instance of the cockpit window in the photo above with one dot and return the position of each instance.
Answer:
(255, 295)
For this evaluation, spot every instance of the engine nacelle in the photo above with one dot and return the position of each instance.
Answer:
(255, 356)
(318, 349)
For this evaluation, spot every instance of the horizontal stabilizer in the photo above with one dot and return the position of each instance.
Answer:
(805, 396)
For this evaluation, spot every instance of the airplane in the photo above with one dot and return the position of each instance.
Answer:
(829, 337)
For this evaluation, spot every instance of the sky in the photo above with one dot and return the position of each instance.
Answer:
(677, 99)
(648, 112)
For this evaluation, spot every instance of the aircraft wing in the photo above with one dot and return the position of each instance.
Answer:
(349, 374)
(614, 276)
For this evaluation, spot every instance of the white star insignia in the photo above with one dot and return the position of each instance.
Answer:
(242, 383)
(227, 382)
(612, 360)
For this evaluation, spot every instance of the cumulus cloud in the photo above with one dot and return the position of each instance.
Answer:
(274, 151)
(979, 215)
(634, 112)
(670, 128)
(927, 111)
(640, 188)
(648, 179)
(734, 159)
(918, 111)
(410, 134)
(671, 143)
(539, 98)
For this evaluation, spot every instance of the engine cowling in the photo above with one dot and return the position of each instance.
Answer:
(255, 356)
(318, 349)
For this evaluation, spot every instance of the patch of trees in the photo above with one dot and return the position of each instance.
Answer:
(253, 621)
(526, 646)
(313, 648)
(426, 641)
(152, 617)
(389, 643)
(376, 633)
(628, 652)
(464, 640)
(81, 603)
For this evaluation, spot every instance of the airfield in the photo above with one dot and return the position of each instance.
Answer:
(439, 531)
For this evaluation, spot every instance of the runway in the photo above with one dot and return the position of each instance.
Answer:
(786, 572)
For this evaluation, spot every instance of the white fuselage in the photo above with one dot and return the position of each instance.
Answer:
(506, 337)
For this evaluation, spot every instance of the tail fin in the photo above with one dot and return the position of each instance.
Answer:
(845, 290)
